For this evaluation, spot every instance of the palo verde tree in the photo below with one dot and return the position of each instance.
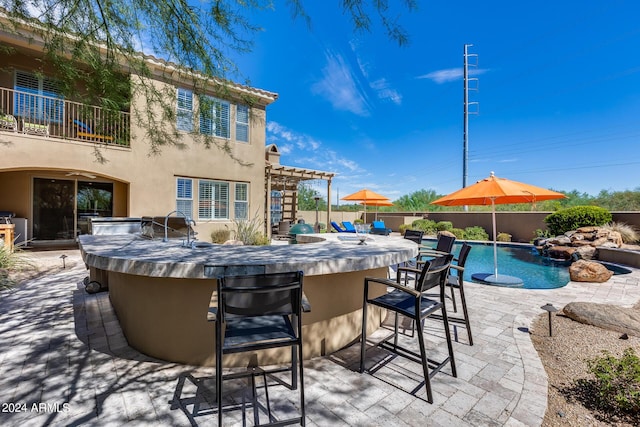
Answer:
(102, 42)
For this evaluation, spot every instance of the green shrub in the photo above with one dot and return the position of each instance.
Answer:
(220, 236)
(444, 226)
(578, 216)
(503, 237)
(458, 232)
(404, 227)
(542, 233)
(426, 225)
(617, 382)
(475, 233)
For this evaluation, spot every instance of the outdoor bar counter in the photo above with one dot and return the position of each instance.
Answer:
(161, 291)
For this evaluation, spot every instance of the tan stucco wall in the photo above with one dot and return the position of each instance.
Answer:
(167, 318)
(144, 184)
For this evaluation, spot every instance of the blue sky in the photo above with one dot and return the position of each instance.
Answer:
(558, 93)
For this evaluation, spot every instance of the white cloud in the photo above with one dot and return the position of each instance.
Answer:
(340, 87)
(451, 74)
(381, 86)
(306, 152)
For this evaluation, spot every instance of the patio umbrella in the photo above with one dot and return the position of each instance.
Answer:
(366, 197)
(377, 203)
(495, 191)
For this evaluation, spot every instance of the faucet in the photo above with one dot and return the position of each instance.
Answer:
(191, 234)
(166, 224)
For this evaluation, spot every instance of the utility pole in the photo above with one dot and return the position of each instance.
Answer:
(474, 86)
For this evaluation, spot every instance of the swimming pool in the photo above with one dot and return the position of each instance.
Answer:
(520, 261)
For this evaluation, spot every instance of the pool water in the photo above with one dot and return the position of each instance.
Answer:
(536, 272)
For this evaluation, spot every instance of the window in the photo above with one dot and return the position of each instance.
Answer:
(214, 117)
(184, 196)
(37, 99)
(185, 110)
(241, 204)
(213, 201)
(242, 123)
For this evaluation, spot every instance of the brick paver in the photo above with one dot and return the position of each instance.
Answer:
(64, 361)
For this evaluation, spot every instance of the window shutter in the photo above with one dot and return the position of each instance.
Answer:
(204, 200)
(242, 123)
(185, 110)
(221, 201)
(223, 118)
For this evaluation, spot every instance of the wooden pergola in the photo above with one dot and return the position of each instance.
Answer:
(286, 179)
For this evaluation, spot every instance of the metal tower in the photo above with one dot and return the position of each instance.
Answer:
(469, 84)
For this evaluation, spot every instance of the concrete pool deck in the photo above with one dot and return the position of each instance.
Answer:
(63, 350)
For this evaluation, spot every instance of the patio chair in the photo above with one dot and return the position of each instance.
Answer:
(414, 235)
(378, 227)
(415, 305)
(444, 246)
(7, 121)
(31, 128)
(349, 227)
(456, 281)
(258, 312)
(337, 227)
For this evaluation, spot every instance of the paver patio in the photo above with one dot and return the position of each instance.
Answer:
(63, 350)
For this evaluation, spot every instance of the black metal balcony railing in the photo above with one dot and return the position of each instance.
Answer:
(52, 117)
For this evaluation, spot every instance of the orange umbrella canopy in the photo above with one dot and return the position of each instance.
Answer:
(365, 196)
(385, 202)
(499, 191)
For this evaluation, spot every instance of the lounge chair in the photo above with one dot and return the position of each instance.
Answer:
(378, 227)
(348, 227)
(84, 131)
(337, 227)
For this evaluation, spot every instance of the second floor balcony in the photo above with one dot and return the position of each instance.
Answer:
(54, 117)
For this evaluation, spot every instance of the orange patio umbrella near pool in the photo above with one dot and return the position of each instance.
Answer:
(497, 191)
(366, 197)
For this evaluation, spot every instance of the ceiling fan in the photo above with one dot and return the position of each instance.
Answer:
(85, 174)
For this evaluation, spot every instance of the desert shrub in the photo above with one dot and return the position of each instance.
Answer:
(575, 217)
(220, 236)
(475, 233)
(249, 231)
(628, 232)
(426, 225)
(11, 261)
(458, 232)
(503, 237)
(404, 227)
(617, 382)
(444, 226)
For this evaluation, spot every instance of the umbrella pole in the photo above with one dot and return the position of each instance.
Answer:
(495, 244)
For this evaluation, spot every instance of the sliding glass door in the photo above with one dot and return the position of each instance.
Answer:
(62, 208)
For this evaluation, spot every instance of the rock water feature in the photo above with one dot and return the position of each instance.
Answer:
(581, 245)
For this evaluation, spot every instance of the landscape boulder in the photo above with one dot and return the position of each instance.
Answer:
(606, 316)
(589, 271)
(585, 252)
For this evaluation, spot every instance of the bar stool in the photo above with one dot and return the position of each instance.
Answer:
(413, 304)
(258, 312)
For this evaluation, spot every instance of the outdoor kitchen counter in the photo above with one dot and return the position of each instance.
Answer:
(161, 291)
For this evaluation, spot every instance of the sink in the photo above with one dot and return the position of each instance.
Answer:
(201, 245)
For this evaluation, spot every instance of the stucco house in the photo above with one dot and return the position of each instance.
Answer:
(62, 162)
